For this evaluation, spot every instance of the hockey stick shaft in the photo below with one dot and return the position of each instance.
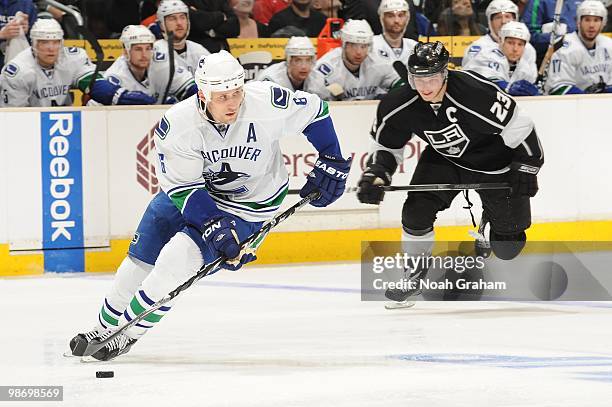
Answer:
(95, 345)
(432, 187)
(95, 45)
(542, 72)
(170, 41)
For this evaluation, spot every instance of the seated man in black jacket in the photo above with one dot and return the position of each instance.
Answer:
(300, 15)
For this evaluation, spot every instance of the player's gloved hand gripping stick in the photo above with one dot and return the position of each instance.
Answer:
(97, 344)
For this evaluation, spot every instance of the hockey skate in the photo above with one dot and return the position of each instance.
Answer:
(482, 245)
(79, 343)
(402, 297)
(118, 346)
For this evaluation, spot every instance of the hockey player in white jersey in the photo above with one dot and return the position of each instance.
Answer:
(144, 69)
(173, 15)
(223, 175)
(43, 74)
(296, 73)
(391, 44)
(505, 65)
(498, 13)
(583, 64)
(352, 71)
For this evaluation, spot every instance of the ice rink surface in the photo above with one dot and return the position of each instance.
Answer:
(300, 336)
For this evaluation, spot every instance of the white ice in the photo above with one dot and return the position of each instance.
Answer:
(300, 336)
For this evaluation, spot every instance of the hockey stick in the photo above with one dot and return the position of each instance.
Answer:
(401, 70)
(95, 45)
(431, 187)
(170, 41)
(96, 344)
(543, 71)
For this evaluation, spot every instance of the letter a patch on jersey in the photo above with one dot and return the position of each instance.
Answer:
(251, 136)
(451, 141)
(280, 98)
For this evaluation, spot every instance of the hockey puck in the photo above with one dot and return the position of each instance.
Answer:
(101, 375)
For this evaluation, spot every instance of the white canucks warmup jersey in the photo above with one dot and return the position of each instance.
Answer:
(574, 65)
(240, 165)
(486, 42)
(493, 64)
(277, 73)
(381, 48)
(187, 59)
(25, 83)
(376, 76)
(156, 79)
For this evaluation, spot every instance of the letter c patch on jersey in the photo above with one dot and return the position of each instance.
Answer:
(162, 129)
(11, 70)
(474, 49)
(325, 69)
(159, 56)
(280, 97)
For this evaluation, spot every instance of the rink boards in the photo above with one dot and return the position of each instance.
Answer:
(75, 182)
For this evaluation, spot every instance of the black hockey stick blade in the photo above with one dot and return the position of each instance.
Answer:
(431, 187)
(170, 41)
(401, 70)
(96, 344)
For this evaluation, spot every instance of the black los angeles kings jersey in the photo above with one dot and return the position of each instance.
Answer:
(477, 126)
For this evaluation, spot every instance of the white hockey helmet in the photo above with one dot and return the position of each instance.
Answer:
(514, 29)
(357, 32)
(218, 72)
(46, 29)
(592, 8)
(299, 47)
(136, 34)
(169, 7)
(392, 5)
(501, 6)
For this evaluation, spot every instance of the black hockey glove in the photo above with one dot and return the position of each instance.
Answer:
(524, 179)
(370, 185)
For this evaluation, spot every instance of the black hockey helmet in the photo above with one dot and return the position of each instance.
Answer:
(428, 58)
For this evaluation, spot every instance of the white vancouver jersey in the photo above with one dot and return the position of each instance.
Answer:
(486, 42)
(277, 73)
(25, 83)
(574, 65)
(156, 79)
(376, 76)
(493, 64)
(381, 48)
(240, 165)
(188, 59)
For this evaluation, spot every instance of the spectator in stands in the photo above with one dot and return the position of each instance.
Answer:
(142, 70)
(505, 64)
(352, 72)
(328, 7)
(296, 73)
(300, 15)
(498, 13)
(173, 16)
(391, 44)
(43, 74)
(368, 10)
(9, 24)
(249, 28)
(538, 16)
(459, 19)
(608, 4)
(212, 22)
(127, 12)
(584, 63)
(263, 10)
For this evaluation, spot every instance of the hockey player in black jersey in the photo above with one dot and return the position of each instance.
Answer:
(475, 133)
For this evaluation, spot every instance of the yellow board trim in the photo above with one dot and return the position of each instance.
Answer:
(313, 247)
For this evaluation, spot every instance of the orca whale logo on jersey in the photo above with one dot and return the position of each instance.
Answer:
(280, 98)
(325, 69)
(451, 141)
(11, 70)
(383, 53)
(162, 129)
(474, 49)
(224, 176)
(73, 50)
